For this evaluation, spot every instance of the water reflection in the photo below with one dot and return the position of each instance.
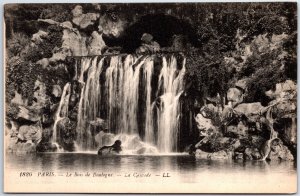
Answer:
(186, 168)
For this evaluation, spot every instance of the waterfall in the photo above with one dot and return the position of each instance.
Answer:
(273, 134)
(149, 134)
(120, 89)
(171, 82)
(130, 92)
(89, 103)
(293, 130)
(62, 111)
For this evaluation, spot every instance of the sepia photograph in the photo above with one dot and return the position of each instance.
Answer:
(150, 97)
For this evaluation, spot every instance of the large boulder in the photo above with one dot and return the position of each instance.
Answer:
(285, 109)
(148, 48)
(46, 147)
(44, 62)
(96, 44)
(280, 152)
(66, 133)
(30, 133)
(59, 55)
(27, 115)
(17, 147)
(73, 41)
(257, 141)
(148, 44)
(111, 27)
(214, 156)
(204, 125)
(250, 110)
(40, 96)
(240, 130)
(252, 154)
(24, 140)
(56, 91)
(242, 84)
(18, 99)
(283, 91)
(83, 20)
(215, 143)
(38, 37)
(210, 109)
(104, 139)
(234, 96)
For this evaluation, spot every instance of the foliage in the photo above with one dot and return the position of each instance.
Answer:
(21, 77)
(16, 44)
(45, 48)
(264, 79)
(57, 13)
(12, 111)
(209, 72)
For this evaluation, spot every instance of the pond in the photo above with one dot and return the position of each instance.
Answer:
(163, 171)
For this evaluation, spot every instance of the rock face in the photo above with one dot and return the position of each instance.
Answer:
(83, 20)
(21, 148)
(31, 133)
(66, 134)
(40, 97)
(284, 90)
(280, 152)
(74, 42)
(28, 137)
(97, 44)
(112, 27)
(249, 131)
(240, 130)
(204, 125)
(26, 114)
(250, 110)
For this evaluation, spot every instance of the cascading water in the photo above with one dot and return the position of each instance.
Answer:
(89, 104)
(171, 82)
(62, 111)
(122, 90)
(149, 133)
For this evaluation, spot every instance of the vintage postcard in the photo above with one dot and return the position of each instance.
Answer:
(150, 98)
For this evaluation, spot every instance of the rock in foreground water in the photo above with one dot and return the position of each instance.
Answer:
(111, 150)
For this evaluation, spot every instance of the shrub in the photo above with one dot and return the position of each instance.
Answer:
(16, 44)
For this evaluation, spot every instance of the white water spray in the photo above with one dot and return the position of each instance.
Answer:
(127, 96)
(62, 112)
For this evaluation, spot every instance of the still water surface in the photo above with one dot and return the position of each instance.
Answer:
(181, 169)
